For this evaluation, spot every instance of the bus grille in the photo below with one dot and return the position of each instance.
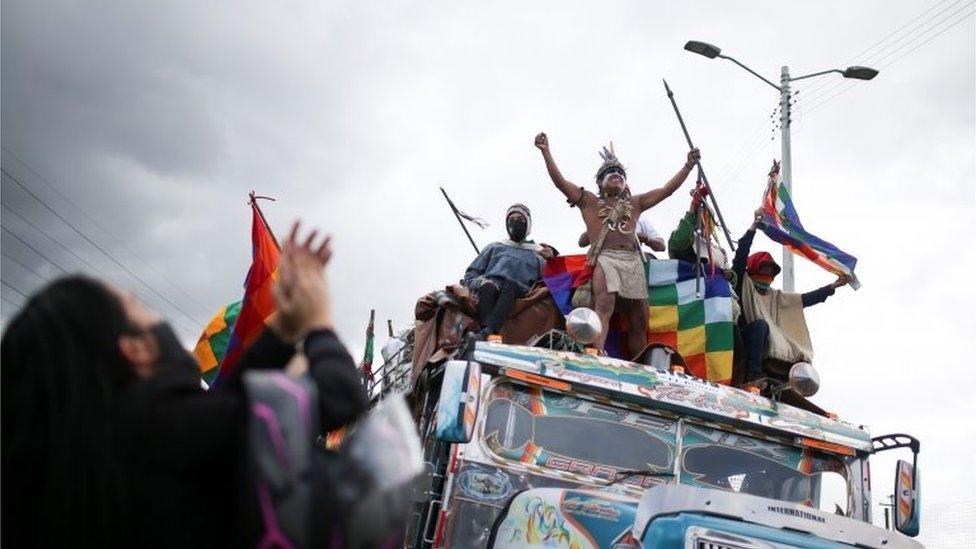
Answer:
(697, 537)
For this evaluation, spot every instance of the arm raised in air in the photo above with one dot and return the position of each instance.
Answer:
(650, 198)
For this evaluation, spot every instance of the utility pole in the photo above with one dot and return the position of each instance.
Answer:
(786, 164)
(786, 172)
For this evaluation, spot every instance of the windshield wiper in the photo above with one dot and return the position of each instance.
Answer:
(628, 473)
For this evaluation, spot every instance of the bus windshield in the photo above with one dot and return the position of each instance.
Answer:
(730, 461)
(564, 433)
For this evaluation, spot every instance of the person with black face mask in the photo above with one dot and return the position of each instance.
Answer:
(109, 439)
(505, 270)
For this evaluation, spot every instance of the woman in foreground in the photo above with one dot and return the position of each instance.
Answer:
(108, 439)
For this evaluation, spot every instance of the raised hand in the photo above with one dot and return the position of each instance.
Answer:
(842, 280)
(694, 155)
(757, 217)
(301, 293)
(542, 142)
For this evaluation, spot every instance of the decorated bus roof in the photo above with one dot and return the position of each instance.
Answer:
(639, 384)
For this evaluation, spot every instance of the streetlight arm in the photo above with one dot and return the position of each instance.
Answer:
(754, 73)
(816, 74)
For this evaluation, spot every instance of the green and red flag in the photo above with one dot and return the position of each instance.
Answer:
(367, 364)
(258, 304)
(213, 343)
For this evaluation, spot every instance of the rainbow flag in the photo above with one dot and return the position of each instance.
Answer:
(564, 274)
(258, 304)
(699, 328)
(782, 224)
(212, 346)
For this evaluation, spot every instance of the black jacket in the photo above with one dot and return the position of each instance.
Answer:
(183, 447)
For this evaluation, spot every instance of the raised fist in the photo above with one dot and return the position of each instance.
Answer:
(757, 217)
(542, 142)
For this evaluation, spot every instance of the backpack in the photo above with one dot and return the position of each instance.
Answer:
(282, 424)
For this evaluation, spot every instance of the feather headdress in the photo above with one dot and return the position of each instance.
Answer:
(610, 163)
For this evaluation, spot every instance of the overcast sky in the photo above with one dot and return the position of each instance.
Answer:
(145, 127)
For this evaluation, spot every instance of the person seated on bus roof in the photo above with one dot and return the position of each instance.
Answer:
(505, 270)
(772, 322)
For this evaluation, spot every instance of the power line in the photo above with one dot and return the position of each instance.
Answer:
(20, 293)
(907, 40)
(104, 230)
(22, 265)
(33, 249)
(743, 163)
(929, 39)
(746, 146)
(895, 60)
(99, 248)
(48, 259)
(827, 96)
(964, 7)
(892, 33)
(11, 303)
(56, 241)
(824, 86)
(819, 85)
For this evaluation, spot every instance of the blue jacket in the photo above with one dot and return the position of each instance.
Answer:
(500, 262)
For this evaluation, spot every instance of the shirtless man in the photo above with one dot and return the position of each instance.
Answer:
(610, 217)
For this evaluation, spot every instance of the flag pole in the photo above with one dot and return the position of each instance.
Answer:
(458, 216)
(701, 172)
(253, 202)
(699, 269)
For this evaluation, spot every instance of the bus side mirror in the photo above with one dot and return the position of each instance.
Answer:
(457, 407)
(907, 499)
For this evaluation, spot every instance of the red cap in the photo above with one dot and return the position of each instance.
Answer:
(759, 259)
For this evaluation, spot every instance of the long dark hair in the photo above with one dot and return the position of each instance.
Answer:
(61, 376)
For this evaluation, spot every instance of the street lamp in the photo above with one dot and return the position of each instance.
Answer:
(855, 72)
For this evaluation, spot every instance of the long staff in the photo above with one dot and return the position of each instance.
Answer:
(458, 216)
(701, 172)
